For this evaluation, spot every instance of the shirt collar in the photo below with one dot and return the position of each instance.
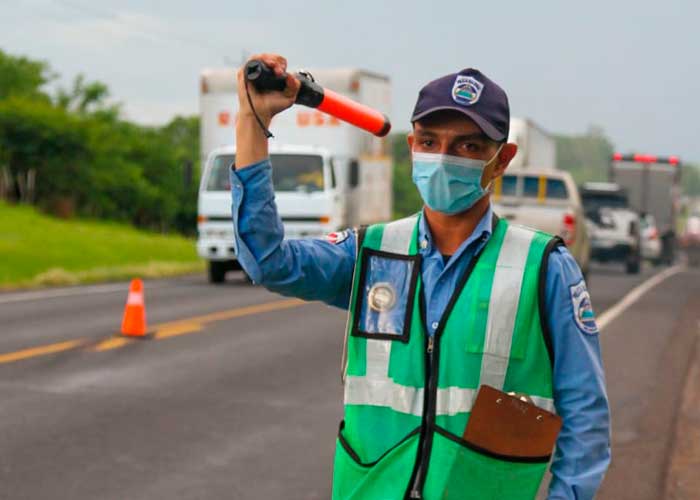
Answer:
(481, 232)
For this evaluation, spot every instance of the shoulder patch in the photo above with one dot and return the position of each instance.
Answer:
(338, 237)
(583, 309)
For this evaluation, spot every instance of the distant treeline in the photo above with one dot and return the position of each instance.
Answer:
(70, 152)
(586, 156)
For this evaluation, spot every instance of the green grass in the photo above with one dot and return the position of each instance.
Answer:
(38, 250)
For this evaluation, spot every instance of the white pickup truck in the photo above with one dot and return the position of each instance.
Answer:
(547, 200)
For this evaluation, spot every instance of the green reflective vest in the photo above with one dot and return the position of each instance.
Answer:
(408, 396)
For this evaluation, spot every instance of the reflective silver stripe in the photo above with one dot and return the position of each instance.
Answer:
(396, 238)
(386, 393)
(503, 305)
(404, 399)
(544, 403)
(397, 235)
(344, 357)
(378, 354)
(454, 400)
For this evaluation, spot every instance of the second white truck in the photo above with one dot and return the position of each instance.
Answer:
(536, 147)
(327, 175)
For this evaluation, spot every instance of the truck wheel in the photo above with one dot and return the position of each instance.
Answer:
(633, 264)
(217, 271)
(668, 250)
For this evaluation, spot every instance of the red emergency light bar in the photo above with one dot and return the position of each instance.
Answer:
(638, 158)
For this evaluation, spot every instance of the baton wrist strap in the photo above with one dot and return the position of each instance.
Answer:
(265, 130)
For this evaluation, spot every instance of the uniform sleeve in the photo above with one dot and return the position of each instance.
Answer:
(582, 453)
(311, 269)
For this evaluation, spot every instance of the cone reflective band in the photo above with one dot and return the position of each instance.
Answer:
(311, 94)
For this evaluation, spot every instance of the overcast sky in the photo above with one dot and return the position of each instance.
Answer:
(631, 67)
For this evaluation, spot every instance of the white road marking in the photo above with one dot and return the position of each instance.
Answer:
(635, 294)
(68, 292)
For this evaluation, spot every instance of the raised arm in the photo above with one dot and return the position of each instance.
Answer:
(309, 269)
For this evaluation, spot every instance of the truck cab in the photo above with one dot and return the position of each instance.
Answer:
(307, 195)
(327, 175)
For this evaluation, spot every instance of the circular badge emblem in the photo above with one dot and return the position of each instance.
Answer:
(381, 297)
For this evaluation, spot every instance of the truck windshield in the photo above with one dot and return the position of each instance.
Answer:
(596, 201)
(290, 172)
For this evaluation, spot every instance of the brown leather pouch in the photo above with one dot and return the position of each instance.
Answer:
(505, 425)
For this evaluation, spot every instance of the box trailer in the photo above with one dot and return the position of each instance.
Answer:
(327, 175)
(652, 184)
(536, 147)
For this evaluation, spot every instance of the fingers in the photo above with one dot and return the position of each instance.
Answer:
(293, 85)
(275, 62)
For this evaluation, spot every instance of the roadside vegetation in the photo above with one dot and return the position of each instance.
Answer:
(39, 250)
(69, 158)
(70, 152)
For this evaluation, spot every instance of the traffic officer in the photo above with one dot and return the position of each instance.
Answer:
(439, 303)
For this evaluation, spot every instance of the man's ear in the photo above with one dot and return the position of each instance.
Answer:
(505, 156)
(410, 138)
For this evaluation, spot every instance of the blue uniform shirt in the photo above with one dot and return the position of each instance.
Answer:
(321, 270)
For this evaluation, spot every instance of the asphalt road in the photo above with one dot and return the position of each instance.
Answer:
(234, 399)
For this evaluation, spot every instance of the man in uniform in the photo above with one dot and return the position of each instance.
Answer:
(439, 304)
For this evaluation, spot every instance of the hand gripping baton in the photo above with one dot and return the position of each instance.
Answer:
(311, 94)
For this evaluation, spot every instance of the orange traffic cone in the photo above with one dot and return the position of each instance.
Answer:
(134, 322)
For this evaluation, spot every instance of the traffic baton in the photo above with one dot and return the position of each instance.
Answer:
(311, 94)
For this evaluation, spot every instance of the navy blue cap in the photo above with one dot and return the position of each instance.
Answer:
(471, 93)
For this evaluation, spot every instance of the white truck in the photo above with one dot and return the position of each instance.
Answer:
(327, 174)
(536, 147)
(653, 188)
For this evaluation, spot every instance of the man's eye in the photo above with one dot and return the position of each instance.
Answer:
(427, 142)
(472, 147)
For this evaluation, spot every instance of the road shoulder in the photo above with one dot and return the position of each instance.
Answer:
(682, 480)
(647, 352)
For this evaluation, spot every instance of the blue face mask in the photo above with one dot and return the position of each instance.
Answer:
(449, 184)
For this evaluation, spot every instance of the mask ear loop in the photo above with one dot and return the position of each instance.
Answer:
(489, 186)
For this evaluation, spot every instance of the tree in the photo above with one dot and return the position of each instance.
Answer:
(690, 179)
(587, 156)
(22, 76)
(86, 98)
(36, 136)
(86, 159)
(407, 200)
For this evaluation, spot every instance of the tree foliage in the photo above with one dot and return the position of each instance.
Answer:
(586, 157)
(22, 76)
(88, 160)
(407, 200)
(690, 179)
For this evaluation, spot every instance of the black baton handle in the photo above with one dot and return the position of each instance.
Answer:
(264, 79)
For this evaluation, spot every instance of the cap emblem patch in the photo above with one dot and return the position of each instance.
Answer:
(466, 90)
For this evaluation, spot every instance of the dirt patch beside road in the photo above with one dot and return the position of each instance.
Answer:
(683, 480)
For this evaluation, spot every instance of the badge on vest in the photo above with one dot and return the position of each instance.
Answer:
(382, 297)
(583, 309)
(386, 295)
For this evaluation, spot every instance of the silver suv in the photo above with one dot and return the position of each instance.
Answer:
(613, 226)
